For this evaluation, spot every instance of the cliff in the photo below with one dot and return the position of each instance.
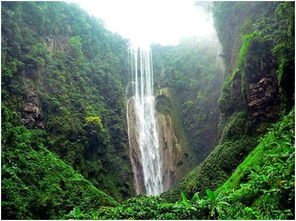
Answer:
(66, 153)
(175, 152)
(252, 95)
(192, 71)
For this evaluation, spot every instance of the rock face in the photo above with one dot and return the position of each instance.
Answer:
(262, 94)
(254, 90)
(31, 112)
(175, 162)
(261, 98)
(135, 154)
(173, 151)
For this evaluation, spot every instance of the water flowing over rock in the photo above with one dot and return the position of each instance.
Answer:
(135, 152)
(142, 126)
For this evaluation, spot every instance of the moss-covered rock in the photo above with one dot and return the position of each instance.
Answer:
(215, 170)
(249, 101)
(235, 125)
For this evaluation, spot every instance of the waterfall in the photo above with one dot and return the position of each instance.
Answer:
(142, 125)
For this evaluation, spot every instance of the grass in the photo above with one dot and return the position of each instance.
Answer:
(234, 181)
(269, 143)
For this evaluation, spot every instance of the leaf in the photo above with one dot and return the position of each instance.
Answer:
(196, 197)
(184, 198)
(211, 195)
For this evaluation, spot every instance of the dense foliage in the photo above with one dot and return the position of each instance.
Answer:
(250, 99)
(250, 31)
(65, 74)
(193, 71)
(36, 183)
(262, 187)
(64, 137)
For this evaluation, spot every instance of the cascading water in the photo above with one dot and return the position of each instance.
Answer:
(142, 125)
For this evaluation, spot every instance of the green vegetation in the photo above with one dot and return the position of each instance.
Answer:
(262, 187)
(215, 169)
(267, 153)
(264, 182)
(246, 42)
(235, 126)
(36, 183)
(194, 87)
(64, 138)
(63, 72)
(284, 51)
(95, 121)
(261, 30)
(241, 124)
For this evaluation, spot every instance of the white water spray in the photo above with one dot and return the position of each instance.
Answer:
(146, 125)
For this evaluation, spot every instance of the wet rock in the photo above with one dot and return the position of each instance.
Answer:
(172, 151)
(175, 165)
(173, 154)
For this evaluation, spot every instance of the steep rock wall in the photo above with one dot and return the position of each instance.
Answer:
(174, 153)
(174, 150)
(250, 99)
(193, 72)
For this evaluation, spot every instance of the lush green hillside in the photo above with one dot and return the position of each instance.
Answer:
(255, 89)
(262, 187)
(64, 74)
(36, 183)
(64, 136)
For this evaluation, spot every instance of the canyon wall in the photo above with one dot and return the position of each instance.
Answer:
(259, 55)
(173, 148)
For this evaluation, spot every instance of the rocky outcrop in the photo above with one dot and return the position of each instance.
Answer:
(175, 162)
(253, 90)
(261, 99)
(173, 152)
(31, 112)
(135, 154)
(262, 94)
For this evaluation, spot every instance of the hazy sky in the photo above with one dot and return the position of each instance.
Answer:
(151, 21)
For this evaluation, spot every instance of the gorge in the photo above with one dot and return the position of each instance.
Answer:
(94, 127)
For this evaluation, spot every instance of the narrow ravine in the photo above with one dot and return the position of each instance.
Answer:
(142, 125)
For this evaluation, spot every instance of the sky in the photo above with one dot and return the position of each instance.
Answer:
(151, 21)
